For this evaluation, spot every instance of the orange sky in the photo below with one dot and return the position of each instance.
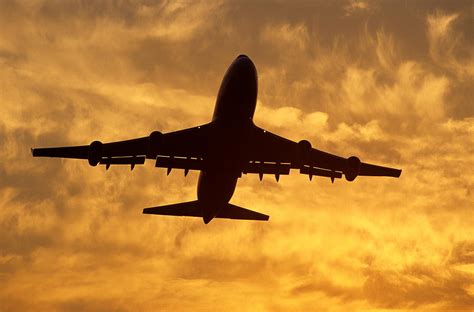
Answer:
(391, 82)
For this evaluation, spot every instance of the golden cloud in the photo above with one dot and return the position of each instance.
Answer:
(389, 83)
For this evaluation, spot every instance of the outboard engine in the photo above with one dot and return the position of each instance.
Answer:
(95, 153)
(353, 167)
(304, 152)
(155, 140)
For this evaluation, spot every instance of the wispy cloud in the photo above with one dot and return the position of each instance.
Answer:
(391, 84)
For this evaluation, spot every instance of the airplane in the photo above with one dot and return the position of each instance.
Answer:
(222, 150)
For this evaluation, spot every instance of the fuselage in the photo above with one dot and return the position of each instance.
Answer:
(233, 115)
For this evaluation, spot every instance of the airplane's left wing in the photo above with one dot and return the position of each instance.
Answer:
(187, 144)
(268, 150)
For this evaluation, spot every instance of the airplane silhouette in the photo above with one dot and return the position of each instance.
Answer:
(231, 144)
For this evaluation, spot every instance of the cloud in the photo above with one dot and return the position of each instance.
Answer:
(388, 83)
(286, 35)
(448, 48)
(355, 6)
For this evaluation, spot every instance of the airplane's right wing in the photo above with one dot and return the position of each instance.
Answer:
(188, 144)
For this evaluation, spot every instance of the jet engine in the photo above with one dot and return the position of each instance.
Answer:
(95, 153)
(155, 140)
(304, 151)
(352, 170)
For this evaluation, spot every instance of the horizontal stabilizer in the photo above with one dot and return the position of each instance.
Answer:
(236, 212)
(193, 209)
(189, 209)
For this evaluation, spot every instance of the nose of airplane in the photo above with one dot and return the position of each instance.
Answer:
(243, 61)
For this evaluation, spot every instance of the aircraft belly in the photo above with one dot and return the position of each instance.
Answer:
(225, 150)
(216, 186)
(215, 189)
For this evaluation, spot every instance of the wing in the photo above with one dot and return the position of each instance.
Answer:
(188, 143)
(266, 147)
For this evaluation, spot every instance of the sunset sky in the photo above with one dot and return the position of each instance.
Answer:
(389, 81)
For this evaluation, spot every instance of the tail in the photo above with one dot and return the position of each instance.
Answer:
(194, 209)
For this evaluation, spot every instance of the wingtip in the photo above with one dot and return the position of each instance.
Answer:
(32, 150)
